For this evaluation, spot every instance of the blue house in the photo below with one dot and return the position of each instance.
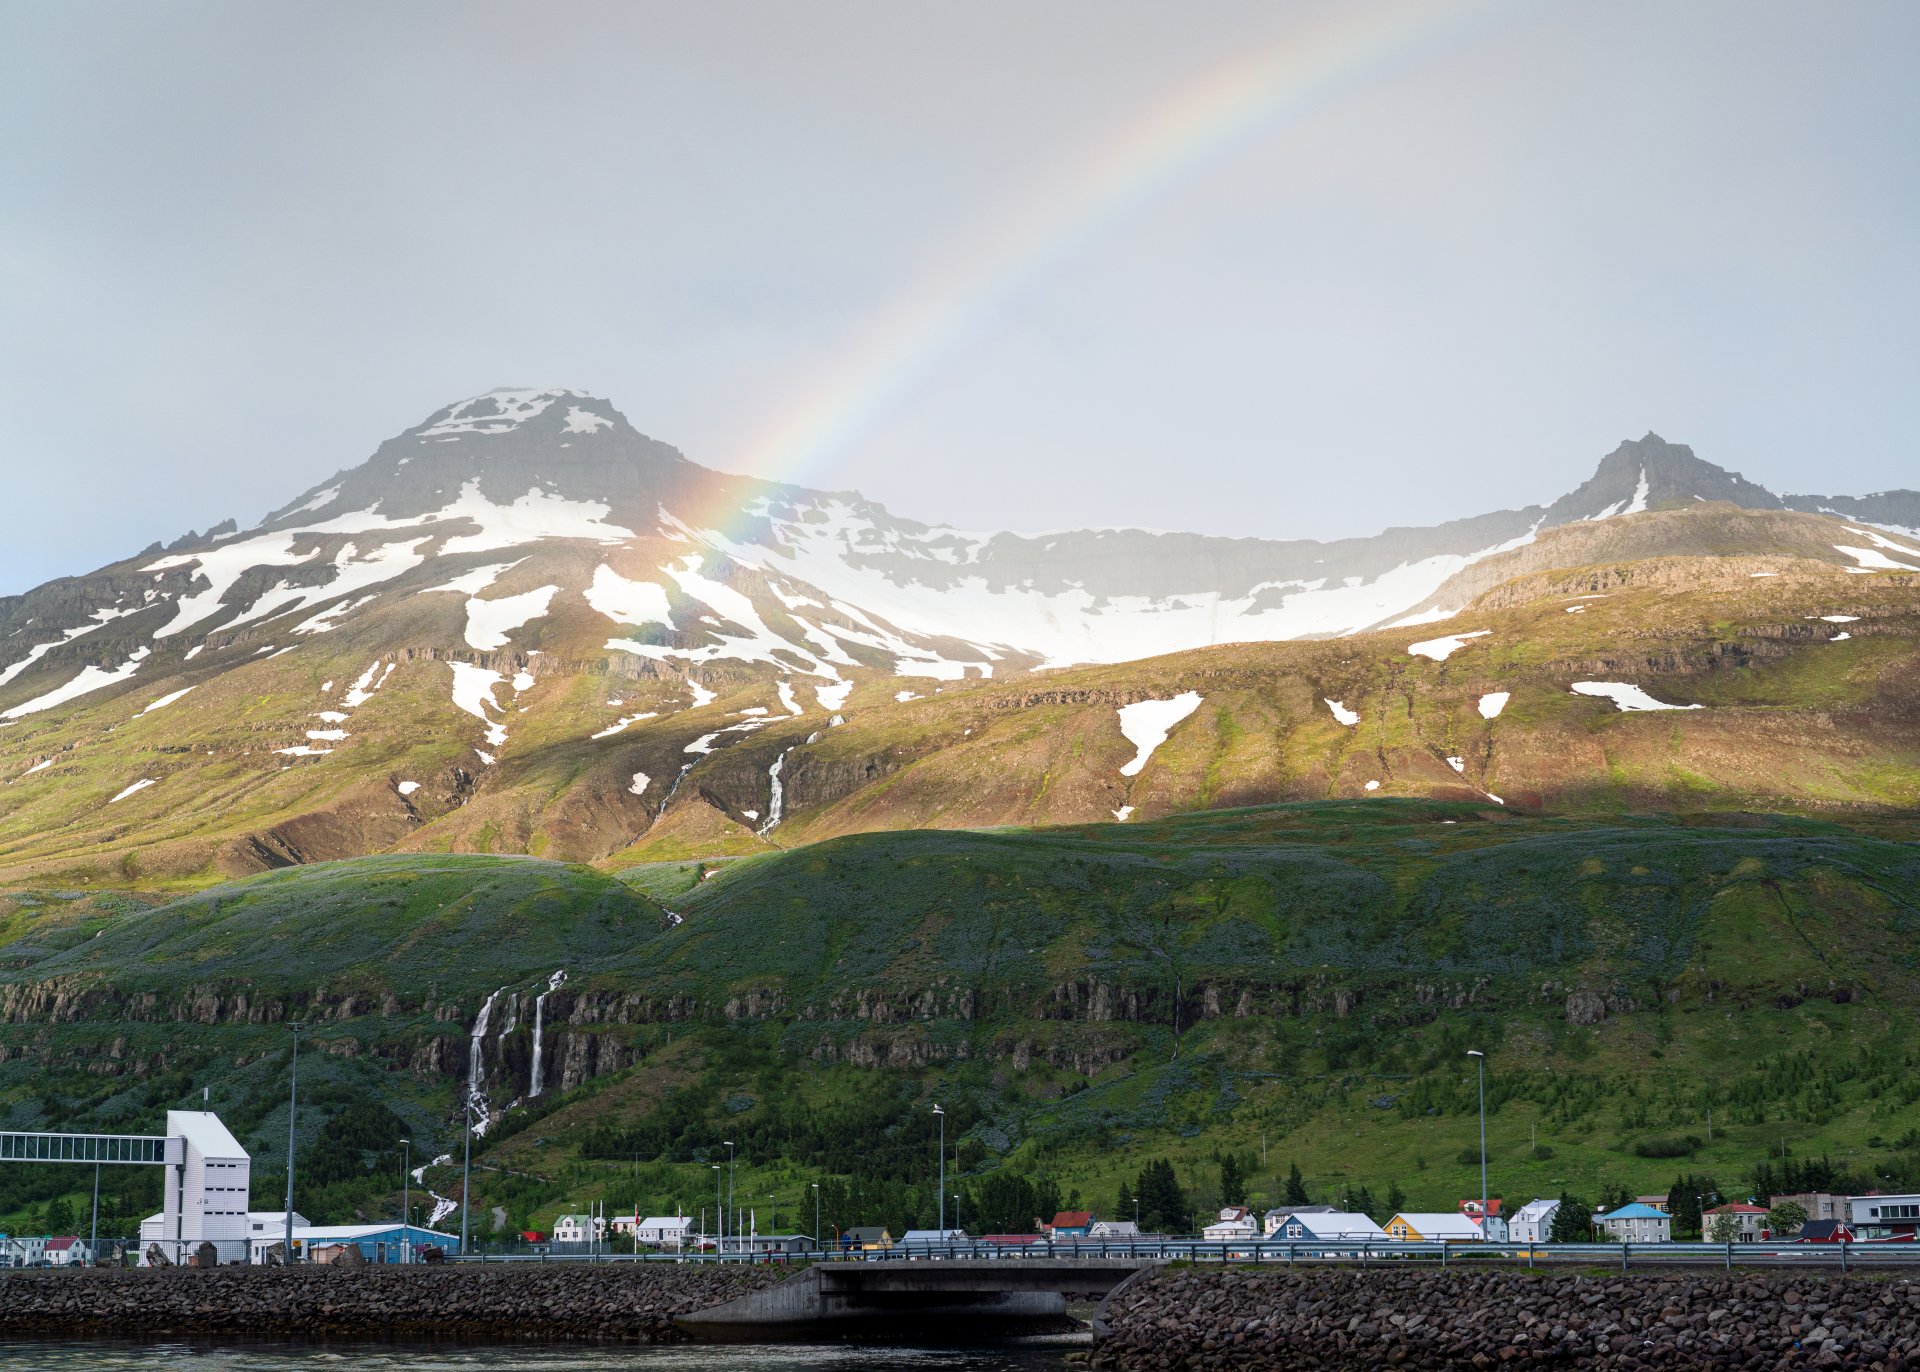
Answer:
(1328, 1226)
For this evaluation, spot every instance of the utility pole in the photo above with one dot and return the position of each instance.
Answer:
(816, 1215)
(943, 1170)
(406, 1198)
(1480, 1062)
(293, 1109)
(719, 1221)
(93, 1243)
(733, 1216)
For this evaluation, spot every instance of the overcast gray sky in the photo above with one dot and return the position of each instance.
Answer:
(1432, 267)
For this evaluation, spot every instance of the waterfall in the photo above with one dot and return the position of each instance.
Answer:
(442, 1206)
(672, 791)
(539, 1024)
(477, 1062)
(513, 1018)
(776, 805)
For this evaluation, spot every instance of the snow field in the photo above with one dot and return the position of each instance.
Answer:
(166, 700)
(1440, 649)
(1493, 702)
(1146, 723)
(1341, 712)
(1626, 695)
(489, 622)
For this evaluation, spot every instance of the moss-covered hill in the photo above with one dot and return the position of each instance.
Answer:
(1295, 983)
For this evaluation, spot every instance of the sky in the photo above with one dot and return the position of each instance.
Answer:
(1273, 268)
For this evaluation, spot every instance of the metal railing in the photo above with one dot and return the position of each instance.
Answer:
(1268, 1252)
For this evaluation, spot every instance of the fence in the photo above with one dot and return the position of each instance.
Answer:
(1615, 1256)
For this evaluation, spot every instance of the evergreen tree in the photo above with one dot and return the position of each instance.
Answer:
(1123, 1201)
(1572, 1222)
(1233, 1182)
(1163, 1205)
(1296, 1187)
(59, 1216)
(1396, 1199)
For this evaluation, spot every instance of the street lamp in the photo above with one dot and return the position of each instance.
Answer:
(406, 1199)
(719, 1221)
(1480, 1064)
(816, 1215)
(466, 1175)
(293, 1107)
(732, 1218)
(943, 1170)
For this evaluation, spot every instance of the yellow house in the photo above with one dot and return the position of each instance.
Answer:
(1413, 1226)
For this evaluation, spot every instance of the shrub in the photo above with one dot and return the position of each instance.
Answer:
(1667, 1146)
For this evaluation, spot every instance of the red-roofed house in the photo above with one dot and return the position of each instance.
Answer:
(68, 1252)
(1493, 1224)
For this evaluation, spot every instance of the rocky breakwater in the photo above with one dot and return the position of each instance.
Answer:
(630, 1302)
(1332, 1318)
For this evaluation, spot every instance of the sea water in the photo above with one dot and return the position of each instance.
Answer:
(59, 1355)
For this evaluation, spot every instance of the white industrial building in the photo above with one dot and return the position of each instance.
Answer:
(204, 1197)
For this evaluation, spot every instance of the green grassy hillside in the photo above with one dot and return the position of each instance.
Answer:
(1283, 984)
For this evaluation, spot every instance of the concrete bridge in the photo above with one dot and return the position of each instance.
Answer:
(976, 1297)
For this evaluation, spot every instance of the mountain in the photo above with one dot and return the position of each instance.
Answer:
(523, 626)
(531, 764)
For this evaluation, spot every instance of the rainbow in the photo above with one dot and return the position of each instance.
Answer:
(976, 279)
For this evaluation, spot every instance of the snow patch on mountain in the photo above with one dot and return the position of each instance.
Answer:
(1493, 702)
(622, 723)
(496, 412)
(1625, 695)
(489, 622)
(89, 680)
(1341, 712)
(166, 700)
(1440, 649)
(35, 653)
(628, 602)
(1146, 723)
(473, 689)
(135, 789)
(477, 580)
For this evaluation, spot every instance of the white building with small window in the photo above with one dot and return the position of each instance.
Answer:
(579, 1229)
(1533, 1222)
(1885, 1216)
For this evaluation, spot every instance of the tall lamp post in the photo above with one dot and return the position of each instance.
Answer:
(943, 1170)
(406, 1199)
(293, 1107)
(816, 1215)
(732, 1218)
(466, 1175)
(719, 1219)
(1480, 1063)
